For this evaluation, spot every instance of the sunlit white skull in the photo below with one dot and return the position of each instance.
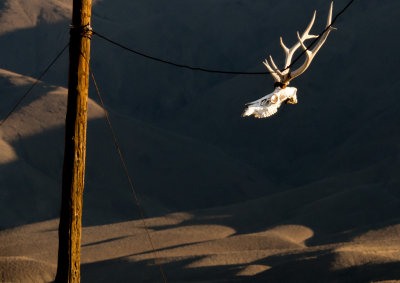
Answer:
(269, 104)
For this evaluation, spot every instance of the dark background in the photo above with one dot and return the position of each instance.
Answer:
(186, 146)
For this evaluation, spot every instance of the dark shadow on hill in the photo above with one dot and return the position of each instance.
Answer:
(121, 270)
(29, 51)
(318, 269)
(170, 173)
(299, 267)
(189, 175)
(176, 173)
(341, 126)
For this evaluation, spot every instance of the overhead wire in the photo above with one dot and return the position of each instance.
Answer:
(194, 68)
(119, 152)
(34, 84)
(316, 39)
(173, 63)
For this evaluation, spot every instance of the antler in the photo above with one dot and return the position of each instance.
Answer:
(285, 76)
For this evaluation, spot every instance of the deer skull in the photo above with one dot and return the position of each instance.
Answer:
(269, 104)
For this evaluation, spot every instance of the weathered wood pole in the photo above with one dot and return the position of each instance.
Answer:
(68, 269)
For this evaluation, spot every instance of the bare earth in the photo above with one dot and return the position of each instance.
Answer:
(192, 249)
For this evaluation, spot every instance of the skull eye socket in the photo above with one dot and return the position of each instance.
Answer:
(274, 99)
(263, 102)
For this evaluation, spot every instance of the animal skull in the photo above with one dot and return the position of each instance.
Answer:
(269, 104)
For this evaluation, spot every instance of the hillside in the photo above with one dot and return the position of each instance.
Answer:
(170, 171)
(310, 193)
(343, 97)
(203, 246)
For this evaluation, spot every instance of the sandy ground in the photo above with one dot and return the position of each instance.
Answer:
(190, 250)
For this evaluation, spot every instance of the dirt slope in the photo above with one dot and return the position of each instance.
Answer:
(192, 248)
(170, 171)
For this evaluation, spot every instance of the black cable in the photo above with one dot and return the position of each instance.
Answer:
(220, 71)
(173, 63)
(316, 39)
(34, 84)
(139, 207)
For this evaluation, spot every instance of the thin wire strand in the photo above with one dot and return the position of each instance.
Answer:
(316, 39)
(34, 84)
(173, 63)
(221, 71)
(156, 258)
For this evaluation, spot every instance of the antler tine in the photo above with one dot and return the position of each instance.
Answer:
(276, 77)
(308, 54)
(329, 20)
(286, 76)
(311, 53)
(284, 46)
(290, 52)
(275, 67)
(310, 25)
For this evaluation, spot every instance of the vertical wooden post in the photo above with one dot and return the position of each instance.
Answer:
(68, 269)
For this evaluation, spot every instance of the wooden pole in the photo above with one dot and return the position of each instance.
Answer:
(68, 269)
